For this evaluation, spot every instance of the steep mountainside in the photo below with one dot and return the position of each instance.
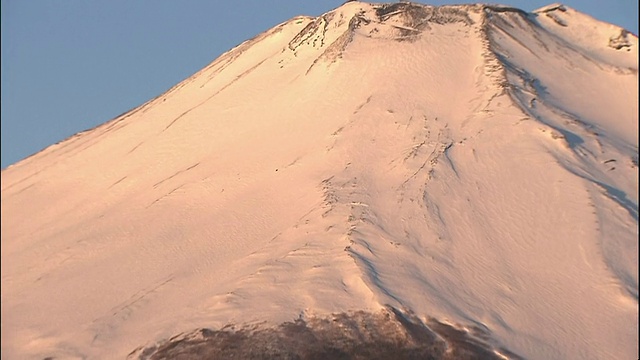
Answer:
(470, 166)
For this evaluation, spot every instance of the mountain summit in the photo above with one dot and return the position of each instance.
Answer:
(468, 170)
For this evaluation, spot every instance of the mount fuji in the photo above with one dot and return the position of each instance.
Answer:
(445, 182)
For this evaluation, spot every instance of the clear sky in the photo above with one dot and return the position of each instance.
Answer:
(71, 65)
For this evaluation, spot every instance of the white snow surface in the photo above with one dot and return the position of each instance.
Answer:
(472, 163)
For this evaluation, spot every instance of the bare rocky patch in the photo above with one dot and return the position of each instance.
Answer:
(388, 334)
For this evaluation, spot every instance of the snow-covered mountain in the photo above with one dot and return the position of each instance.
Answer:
(472, 167)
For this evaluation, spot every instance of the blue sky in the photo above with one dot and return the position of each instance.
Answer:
(71, 65)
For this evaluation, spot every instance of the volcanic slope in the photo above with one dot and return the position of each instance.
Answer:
(471, 164)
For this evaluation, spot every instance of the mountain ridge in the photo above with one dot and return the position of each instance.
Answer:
(300, 159)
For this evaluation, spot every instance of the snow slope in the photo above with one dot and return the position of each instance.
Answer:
(474, 164)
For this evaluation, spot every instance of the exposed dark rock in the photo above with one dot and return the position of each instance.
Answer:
(389, 334)
(620, 41)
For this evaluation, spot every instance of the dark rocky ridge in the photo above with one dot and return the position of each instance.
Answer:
(389, 334)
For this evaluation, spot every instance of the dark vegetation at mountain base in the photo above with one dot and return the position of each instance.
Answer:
(388, 335)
